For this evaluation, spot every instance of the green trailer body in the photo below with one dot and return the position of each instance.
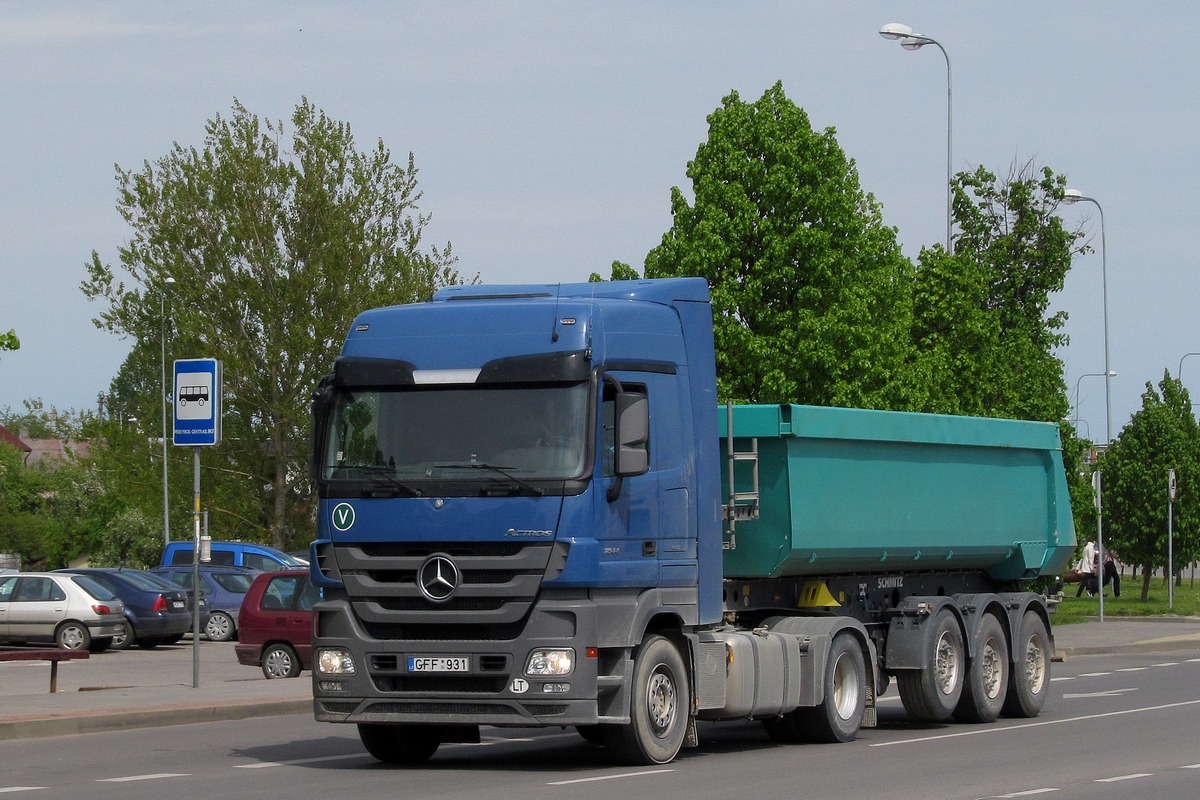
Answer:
(849, 491)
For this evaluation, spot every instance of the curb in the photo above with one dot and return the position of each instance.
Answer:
(116, 719)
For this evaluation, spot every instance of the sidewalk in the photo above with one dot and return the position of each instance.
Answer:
(230, 692)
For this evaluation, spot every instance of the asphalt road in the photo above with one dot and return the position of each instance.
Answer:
(1116, 726)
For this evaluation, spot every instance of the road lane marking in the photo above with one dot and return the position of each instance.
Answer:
(1039, 724)
(1125, 777)
(1029, 792)
(1167, 664)
(152, 777)
(1105, 693)
(290, 762)
(1191, 766)
(1093, 674)
(1133, 669)
(610, 777)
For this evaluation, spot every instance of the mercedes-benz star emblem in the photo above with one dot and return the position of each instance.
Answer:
(438, 578)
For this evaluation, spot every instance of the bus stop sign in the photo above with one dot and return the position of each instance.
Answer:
(197, 401)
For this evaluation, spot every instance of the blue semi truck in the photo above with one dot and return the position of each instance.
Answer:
(533, 512)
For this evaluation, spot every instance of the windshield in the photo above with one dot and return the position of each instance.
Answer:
(468, 433)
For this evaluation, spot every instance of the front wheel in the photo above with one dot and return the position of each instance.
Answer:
(219, 627)
(658, 707)
(1029, 681)
(400, 744)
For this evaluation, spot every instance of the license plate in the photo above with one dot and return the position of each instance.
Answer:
(177, 604)
(431, 664)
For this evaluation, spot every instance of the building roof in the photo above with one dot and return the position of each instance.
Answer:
(7, 437)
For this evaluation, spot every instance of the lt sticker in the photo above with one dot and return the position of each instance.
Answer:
(343, 516)
(519, 686)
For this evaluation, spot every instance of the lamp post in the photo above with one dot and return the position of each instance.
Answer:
(915, 41)
(1088, 375)
(1071, 197)
(162, 321)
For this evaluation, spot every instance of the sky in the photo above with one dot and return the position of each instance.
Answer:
(548, 136)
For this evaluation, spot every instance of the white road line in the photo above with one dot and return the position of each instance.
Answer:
(1191, 766)
(1133, 669)
(610, 777)
(1102, 693)
(1056, 680)
(290, 762)
(152, 777)
(1167, 664)
(1029, 792)
(1042, 723)
(1093, 674)
(1125, 777)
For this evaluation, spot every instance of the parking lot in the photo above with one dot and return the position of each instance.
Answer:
(166, 665)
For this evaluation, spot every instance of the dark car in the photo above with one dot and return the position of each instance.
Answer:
(223, 588)
(276, 624)
(155, 610)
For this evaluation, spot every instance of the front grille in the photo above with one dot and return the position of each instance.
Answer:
(498, 583)
(460, 684)
(443, 708)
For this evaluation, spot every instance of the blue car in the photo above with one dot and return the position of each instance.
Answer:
(155, 611)
(223, 587)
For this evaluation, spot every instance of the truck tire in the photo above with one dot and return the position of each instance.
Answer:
(659, 704)
(987, 681)
(931, 694)
(1029, 681)
(839, 716)
(400, 744)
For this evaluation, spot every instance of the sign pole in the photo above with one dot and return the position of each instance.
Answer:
(196, 566)
(1096, 482)
(1170, 539)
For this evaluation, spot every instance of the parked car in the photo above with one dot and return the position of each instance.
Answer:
(231, 554)
(155, 611)
(276, 624)
(223, 588)
(73, 611)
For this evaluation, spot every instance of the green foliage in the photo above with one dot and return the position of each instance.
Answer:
(1162, 435)
(620, 272)
(810, 290)
(43, 511)
(44, 423)
(9, 341)
(273, 248)
(981, 317)
(133, 539)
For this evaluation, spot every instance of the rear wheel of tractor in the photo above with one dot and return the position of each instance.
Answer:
(987, 677)
(400, 744)
(658, 707)
(839, 716)
(1029, 681)
(931, 694)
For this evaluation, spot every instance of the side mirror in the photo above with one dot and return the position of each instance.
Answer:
(632, 421)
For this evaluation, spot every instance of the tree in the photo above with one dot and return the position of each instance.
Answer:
(811, 294)
(981, 323)
(273, 247)
(9, 341)
(1162, 435)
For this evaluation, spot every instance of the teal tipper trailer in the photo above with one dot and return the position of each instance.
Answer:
(855, 491)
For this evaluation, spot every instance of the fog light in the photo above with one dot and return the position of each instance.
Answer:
(556, 688)
(335, 662)
(331, 686)
(550, 662)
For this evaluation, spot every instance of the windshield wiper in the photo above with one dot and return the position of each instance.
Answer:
(381, 471)
(524, 484)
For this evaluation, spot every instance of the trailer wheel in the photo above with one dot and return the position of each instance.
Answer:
(840, 714)
(658, 707)
(931, 694)
(400, 744)
(986, 687)
(1029, 681)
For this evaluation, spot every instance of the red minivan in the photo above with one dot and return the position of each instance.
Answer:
(275, 624)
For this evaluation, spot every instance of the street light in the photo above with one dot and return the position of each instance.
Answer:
(162, 321)
(1088, 375)
(915, 41)
(1071, 197)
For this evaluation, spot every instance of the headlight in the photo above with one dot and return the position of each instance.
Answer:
(335, 662)
(550, 662)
